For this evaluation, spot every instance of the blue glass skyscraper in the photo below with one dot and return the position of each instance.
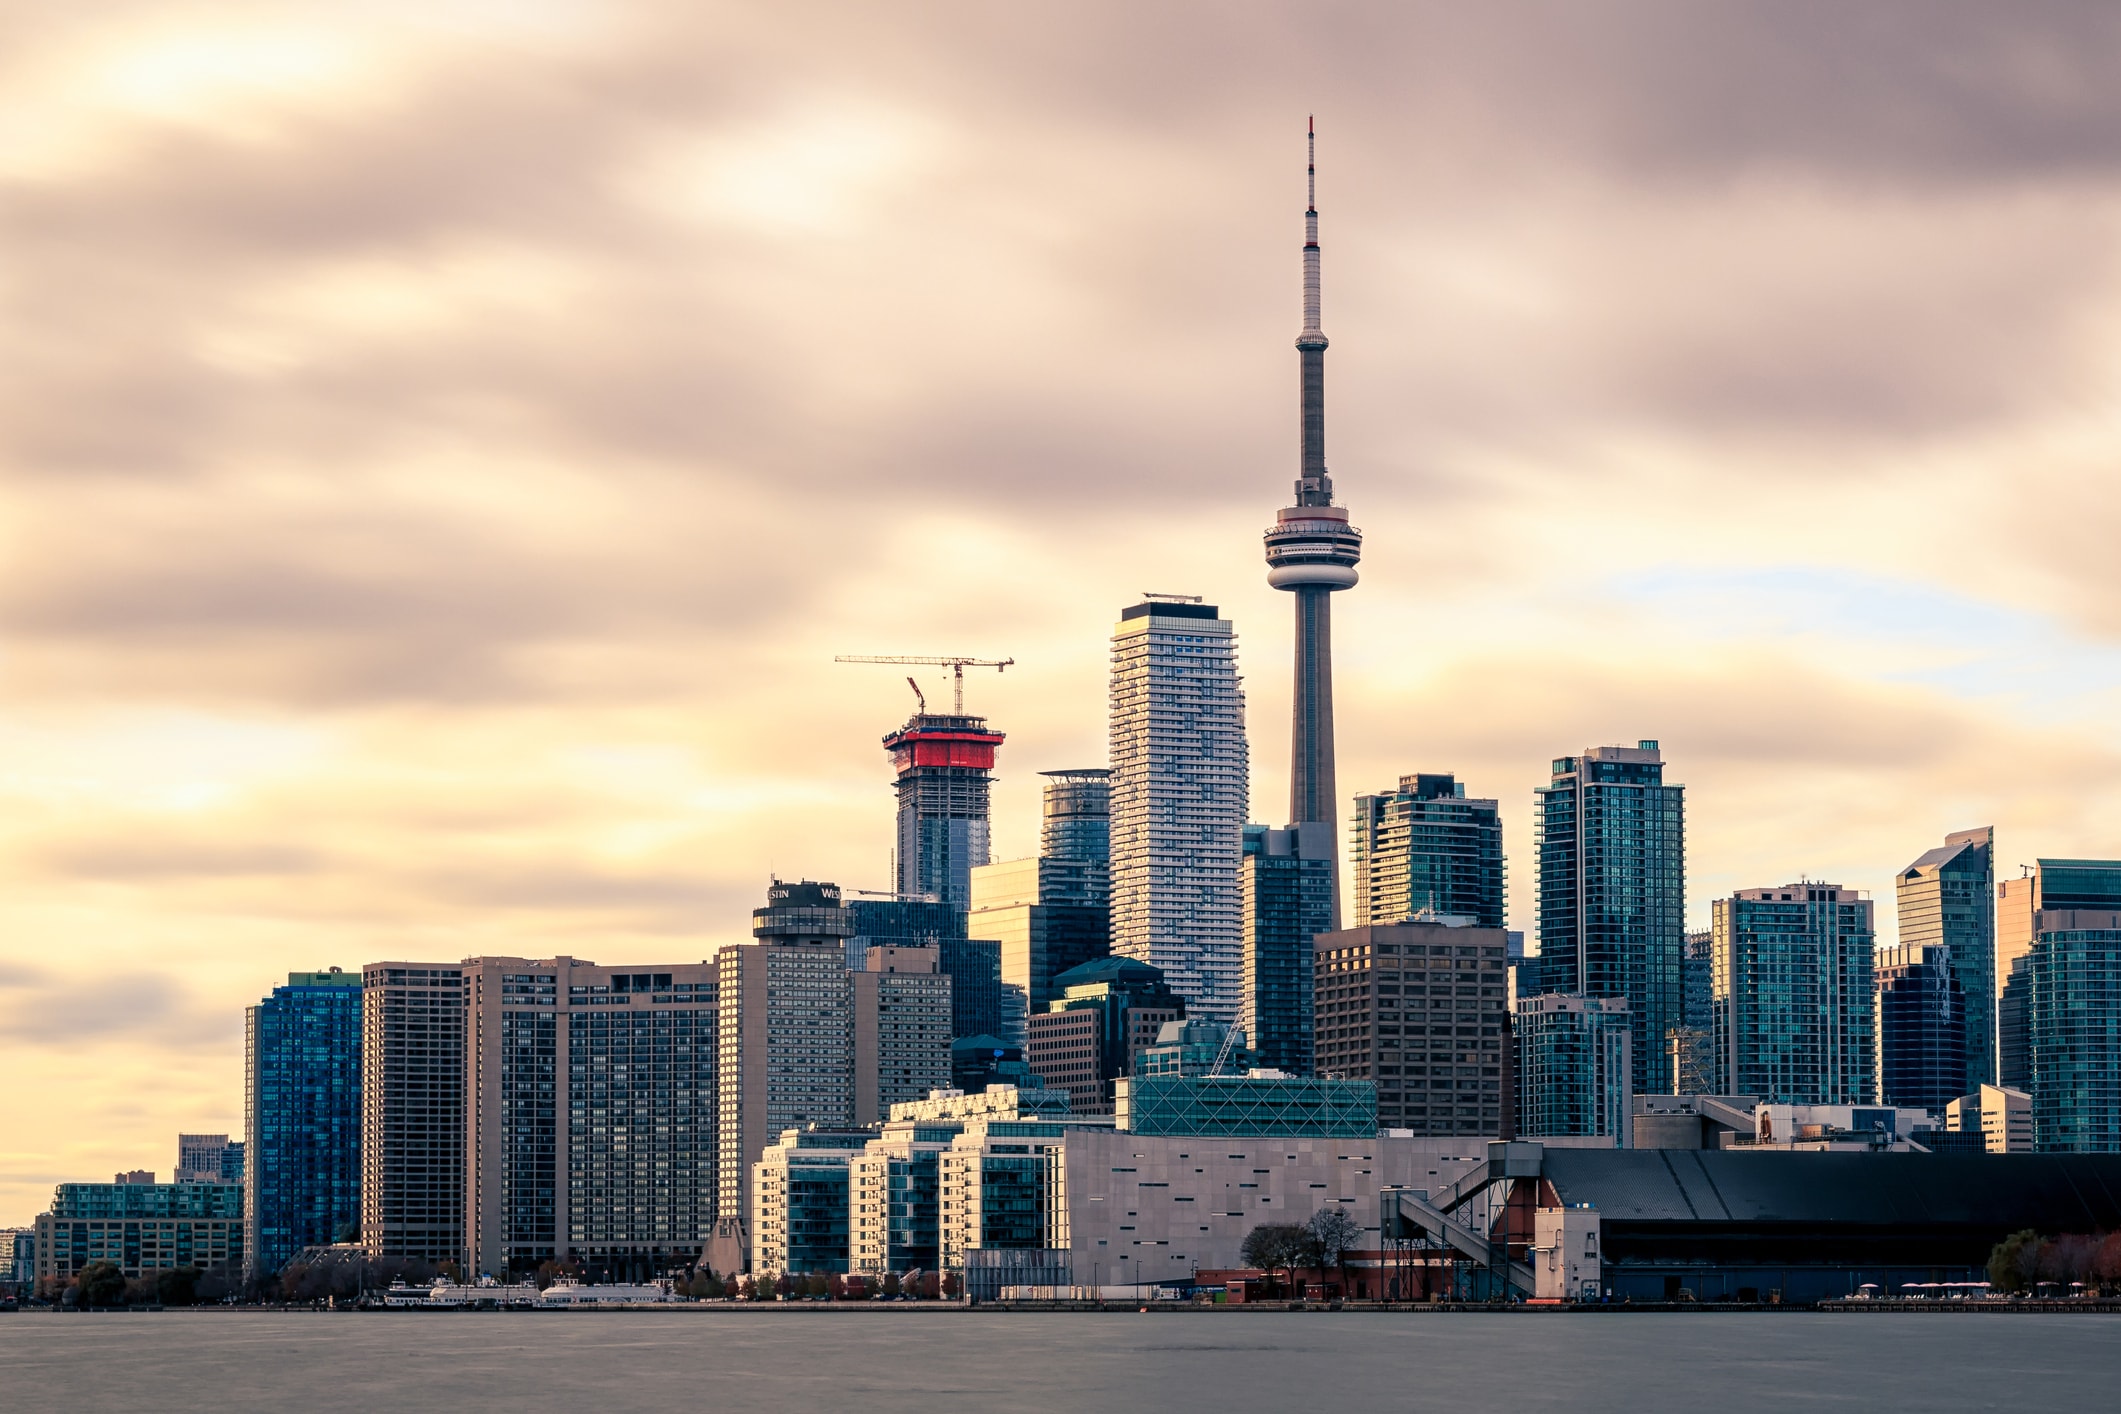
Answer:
(302, 1118)
(1611, 836)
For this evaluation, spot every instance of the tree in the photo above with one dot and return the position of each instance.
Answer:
(1276, 1247)
(178, 1286)
(100, 1284)
(951, 1286)
(1332, 1232)
(891, 1280)
(2012, 1264)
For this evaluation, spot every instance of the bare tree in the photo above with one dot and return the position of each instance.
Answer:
(1332, 1232)
(1273, 1247)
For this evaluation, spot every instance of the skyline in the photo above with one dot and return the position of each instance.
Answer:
(392, 425)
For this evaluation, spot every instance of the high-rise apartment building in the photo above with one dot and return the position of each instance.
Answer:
(973, 964)
(1287, 888)
(1104, 1012)
(1947, 898)
(1573, 1072)
(945, 763)
(301, 1118)
(590, 1114)
(1793, 995)
(1922, 1026)
(1611, 837)
(1690, 1063)
(802, 1041)
(2058, 930)
(1179, 772)
(1426, 849)
(1077, 824)
(1048, 915)
(412, 1110)
(209, 1158)
(1311, 553)
(1421, 1010)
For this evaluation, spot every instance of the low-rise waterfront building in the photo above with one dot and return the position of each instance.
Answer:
(141, 1227)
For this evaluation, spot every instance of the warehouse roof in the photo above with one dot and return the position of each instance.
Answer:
(2049, 1192)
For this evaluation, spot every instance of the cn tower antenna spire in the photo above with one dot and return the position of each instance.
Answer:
(1312, 552)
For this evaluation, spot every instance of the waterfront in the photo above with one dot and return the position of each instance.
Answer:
(925, 1360)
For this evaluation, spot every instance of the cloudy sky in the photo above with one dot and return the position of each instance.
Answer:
(443, 444)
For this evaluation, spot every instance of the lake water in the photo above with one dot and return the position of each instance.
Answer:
(881, 1361)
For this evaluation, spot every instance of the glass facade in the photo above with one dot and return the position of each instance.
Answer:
(1793, 995)
(302, 1118)
(1611, 839)
(1288, 900)
(2073, 1005)
(1947, 898)
(1922, 1027)
(1426, 847)
(1241, 1105)
(1572, 1066)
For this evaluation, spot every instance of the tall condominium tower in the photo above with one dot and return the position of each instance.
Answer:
(301, 1118)
(1921, 1027)
(1572, 1066)
(589, 1115)
(1078, 816)
(1611, 837)
(974, 965)
(1179, 785)
(1792, 995)
(1426, 848)
(2059, 931)
(1287, 886)
(945, 764)
(803, 1041)
(1947, 898)
(412, 1110)
(1312, 552)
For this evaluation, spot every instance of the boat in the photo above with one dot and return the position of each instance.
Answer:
(569, 1294)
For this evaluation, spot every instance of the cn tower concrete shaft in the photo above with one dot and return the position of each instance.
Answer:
(1312, 552)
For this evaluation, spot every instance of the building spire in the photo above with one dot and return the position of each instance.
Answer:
(1313, 486)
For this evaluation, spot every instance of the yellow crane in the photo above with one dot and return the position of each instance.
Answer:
(956, 666)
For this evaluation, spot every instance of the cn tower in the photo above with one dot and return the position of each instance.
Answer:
(1311, 552)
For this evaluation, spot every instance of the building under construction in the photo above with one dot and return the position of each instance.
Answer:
(945, 765)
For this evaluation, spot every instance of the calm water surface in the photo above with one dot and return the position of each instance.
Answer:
(877, 1362)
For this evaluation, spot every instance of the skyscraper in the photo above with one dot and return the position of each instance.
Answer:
(973, 964)
(1947, 898)
(1572, 1066)
(1078, 817)
(412, 1110)
(1611, 837)
(1312, 552)
(1179, 784)
(803, 1041)
(1426, 847)
(1049, 915)
(2059, 929)
(1287, 885)
(301, 1118)
(1792, 995)
(590, 1108)
(944, 763)
(1922, 1026)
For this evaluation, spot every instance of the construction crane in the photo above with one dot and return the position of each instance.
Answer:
(956, 666)
(1222, 1057)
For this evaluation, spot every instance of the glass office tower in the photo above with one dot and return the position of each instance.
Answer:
(1947, 898)
(1922, 1027)
(301, 1118)
(1287, 886)
(1611, 836)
